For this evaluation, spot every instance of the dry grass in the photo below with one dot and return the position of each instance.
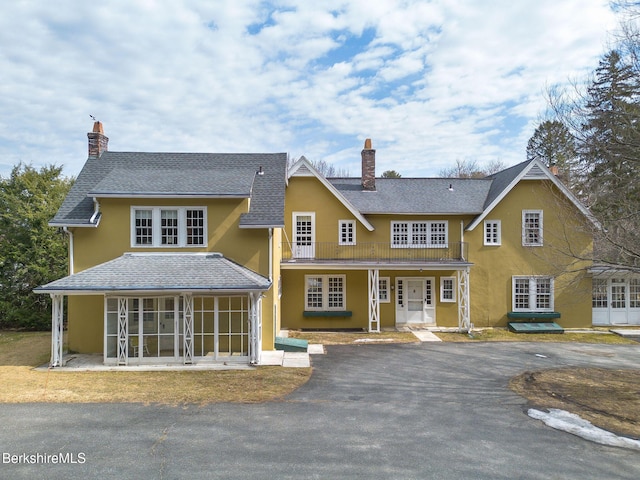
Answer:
(609, 399)
(346, 338)
(20, 352)
(504, 335)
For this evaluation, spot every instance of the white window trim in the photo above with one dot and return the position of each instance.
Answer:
(410, 226)
(352, 223)
(325, 293)
(498, 224)
(157, 227)
(533, 279)
(387, 280)
(524, 230)
(453, 290)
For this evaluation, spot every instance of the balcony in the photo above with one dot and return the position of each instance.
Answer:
(372, 253)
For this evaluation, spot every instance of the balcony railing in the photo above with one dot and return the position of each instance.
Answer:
(373, 252)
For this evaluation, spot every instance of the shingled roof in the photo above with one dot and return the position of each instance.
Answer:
(166, 272)
(416, 195)
(180, 175)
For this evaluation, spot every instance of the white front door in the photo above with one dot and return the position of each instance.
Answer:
(414, 300)
(303, 235)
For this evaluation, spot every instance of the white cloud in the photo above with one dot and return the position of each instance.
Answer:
(429, 81)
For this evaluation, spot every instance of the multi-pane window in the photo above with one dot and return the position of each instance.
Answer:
(531, 228)
(335, 295)
(447, 289)
(168, 226)
(314, 293)
(143, 227)
(634, 292)
(347, 232)
(532, 294)
(325, 292)
(599, 293)
(437, 233)
(383, 290)
(418, 234)
(195, 226)
(618, 293)
(399, 233)
(492, 232)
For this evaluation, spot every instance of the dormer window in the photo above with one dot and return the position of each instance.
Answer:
(168, 226)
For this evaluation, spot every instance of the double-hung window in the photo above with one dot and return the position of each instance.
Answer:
(347, 235)
(168, 226)
(492, 232)
(419, 234)
(532, 228)
(447, 289)
(383, 290)
(325, 292)
(532, 294)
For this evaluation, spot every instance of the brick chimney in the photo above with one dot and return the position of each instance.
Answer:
(98, 142)
(368, 167)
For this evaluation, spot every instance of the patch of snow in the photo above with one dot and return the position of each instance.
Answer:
(571, 423)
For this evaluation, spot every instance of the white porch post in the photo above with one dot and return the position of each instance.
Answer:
(123, 342)
(374, 304)
(255, 325)
(57, 326)
(188, 328)
(464, 320)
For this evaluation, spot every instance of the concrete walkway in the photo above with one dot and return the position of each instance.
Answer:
(94, 362)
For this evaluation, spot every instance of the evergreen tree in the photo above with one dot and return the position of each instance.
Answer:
(31, 252)
(553, 144)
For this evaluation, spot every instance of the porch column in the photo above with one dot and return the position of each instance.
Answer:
(123, 341)
(57, 326)
(255, 326)
(374, 304)
(464, 320)
(188, 328)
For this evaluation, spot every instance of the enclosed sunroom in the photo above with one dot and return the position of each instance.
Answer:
(168, 309)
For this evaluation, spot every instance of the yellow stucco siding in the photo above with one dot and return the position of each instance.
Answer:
(112, 238)
(494, 266)
(85, 323)
(356, 292)
(308, 194)
(493, 269)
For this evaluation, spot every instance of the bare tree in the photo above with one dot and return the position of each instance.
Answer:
(471, 169)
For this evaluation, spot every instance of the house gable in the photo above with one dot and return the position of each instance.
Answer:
(303, 168)
(506, 180)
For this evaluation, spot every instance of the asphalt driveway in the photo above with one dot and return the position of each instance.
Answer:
(433, 410)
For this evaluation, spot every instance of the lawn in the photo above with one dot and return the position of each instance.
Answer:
(20, 352)
(504, 335)
(486, 335)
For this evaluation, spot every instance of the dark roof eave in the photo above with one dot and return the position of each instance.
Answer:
(167, 195)
(151, 289)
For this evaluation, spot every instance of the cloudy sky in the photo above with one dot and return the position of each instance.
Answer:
(430, 81)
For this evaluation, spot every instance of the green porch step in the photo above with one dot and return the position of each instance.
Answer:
(291, 344)
(535, 327)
